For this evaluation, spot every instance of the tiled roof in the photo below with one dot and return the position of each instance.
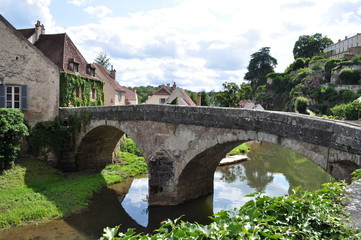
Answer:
(27, 33)
(104, 75)
(187, 98)
(60, 49)
(162, 91)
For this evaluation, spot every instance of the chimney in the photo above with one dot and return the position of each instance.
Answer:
(39, 29)
(199, 99)
(113, 73)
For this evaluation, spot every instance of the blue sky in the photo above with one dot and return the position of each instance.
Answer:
(199, 44)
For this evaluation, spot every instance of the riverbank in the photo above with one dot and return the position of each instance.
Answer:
(33, 192)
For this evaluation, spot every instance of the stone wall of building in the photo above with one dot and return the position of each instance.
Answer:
(22, 64)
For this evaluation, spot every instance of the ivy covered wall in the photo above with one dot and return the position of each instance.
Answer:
(70, 82)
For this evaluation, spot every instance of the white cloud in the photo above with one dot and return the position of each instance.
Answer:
(98, 11)
(78, 2)
(201, 43)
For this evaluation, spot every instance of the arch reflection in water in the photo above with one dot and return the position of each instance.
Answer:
(136, 206)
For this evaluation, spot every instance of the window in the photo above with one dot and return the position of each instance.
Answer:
(73, 66)
(14, 96)
(90, 70)
(120, 96)
(162, 101)
(78, 92)
(94, 94)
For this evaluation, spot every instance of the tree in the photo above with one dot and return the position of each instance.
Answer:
(205, 101)
(245, 91)
(260, 65)
(308, 46)
(103, 59)
(230, 96)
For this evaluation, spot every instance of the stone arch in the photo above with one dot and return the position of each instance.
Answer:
(96, 147)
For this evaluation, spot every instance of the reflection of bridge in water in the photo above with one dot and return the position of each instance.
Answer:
(183, 145)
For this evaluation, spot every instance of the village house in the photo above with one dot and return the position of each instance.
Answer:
(170, 95)
(41, 72)
(114, 93)
(348, 46)
(28, 79)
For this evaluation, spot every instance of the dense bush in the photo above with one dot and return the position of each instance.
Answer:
(301, 104)
(12, 132)
(46, 137)
(305, 215)
(301, 75)
(330, 64)
(130, 146)
(297, 64)
(349, 76)
(349, 111)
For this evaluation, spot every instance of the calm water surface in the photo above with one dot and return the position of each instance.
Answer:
(272, 169)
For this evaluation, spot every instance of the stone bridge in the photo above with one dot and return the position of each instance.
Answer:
(183, 145)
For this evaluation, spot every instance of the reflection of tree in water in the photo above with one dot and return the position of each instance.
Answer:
(266, 159)
(232, 173)
(297, 169)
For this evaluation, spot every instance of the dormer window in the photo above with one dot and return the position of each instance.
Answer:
(73, 66)
(90, 70)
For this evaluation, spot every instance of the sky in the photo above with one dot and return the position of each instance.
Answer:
(199, 44)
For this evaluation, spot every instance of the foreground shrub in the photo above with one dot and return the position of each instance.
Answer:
(304, 215)
(130, 146)
(12, 132)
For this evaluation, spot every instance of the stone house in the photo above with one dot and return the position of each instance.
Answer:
(76, 74)
(29, 80)
(114, 93)
(168, 95)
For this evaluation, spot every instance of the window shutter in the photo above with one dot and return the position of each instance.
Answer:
(24, 97)
(2, 95)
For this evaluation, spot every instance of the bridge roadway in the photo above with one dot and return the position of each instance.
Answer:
(183, 145)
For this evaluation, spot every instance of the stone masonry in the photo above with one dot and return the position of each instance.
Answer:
(183, 145)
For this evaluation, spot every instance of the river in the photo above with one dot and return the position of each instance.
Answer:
(271, 169)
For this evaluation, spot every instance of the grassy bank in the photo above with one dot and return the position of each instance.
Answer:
(33, 191)
(239, 150)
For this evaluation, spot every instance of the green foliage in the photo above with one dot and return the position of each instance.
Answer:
(241, 149)
(143, 92)
(305, 215)
(33, 191)
(356, 175)
(330, 64)
(349, 76)
(230, 95)
(301, 104)
(260, 65)
(12, 132)
(297, 64)
(308, 46)
(129, 146)
(356, 59)
(301, 75)
(262, 95)
(349, 111)
(70, 82)
(205, 99)
(47, 137)
(103, 59)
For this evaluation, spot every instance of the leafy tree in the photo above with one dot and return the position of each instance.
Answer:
(143, 92)
(260, 65)
(205, 100)
(349, 76)
(103, 59)
(12, 131)
(246, 91)
(308, 46)
(230, 96)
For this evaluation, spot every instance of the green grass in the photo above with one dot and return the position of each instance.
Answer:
(241, 149)
(35, 192)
